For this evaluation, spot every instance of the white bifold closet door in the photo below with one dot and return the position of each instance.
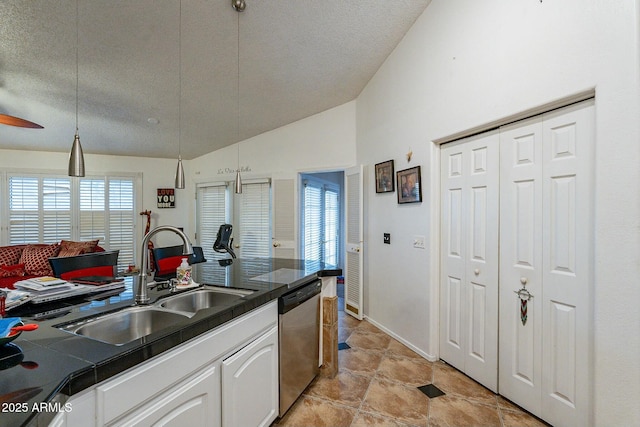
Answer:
(517, 221)
(546, 247)
(469, 257)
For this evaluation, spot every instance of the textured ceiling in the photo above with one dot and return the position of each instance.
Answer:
(297, 58)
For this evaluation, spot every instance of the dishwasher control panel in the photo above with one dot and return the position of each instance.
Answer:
(294, 298)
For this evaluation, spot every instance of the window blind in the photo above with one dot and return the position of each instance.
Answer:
(312, 222)
(321, 222)
(255, 220)
(211, 212)
(331, 226)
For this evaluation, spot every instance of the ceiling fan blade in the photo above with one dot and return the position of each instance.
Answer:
(16, 121)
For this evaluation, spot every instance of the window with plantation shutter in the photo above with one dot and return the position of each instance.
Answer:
(211, 212)
(92, 209)
(121, 219)
(254, 220)
(39, 209)
(47, 209)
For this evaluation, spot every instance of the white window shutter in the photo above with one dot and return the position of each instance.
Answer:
(284, 209)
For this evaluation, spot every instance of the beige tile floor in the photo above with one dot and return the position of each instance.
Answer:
(377, 386)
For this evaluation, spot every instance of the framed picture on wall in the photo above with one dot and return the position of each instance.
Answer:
(409, 185)
(384, 177)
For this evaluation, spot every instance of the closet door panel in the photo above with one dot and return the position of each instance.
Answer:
(469, 263)
(567, 266)
(521, 263)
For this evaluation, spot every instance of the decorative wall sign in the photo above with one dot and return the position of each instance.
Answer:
(384, 177)
(166, 198)
(409, 185)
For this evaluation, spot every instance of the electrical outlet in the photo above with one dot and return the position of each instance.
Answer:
(387, 238)
(418, 242)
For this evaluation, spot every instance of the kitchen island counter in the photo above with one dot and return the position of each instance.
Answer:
(48, 362)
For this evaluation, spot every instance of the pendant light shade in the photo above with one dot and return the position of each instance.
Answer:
(238, 182)
(76, 158)
(180, 174)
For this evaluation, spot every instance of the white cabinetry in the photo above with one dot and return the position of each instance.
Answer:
(194, 402)
(248, 395)
(185, 386)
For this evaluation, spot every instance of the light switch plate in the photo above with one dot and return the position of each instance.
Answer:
(387, 238)
(418, 242)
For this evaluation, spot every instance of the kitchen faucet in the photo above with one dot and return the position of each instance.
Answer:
(142, 295)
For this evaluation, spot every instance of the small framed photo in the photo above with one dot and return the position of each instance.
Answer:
(384, 177)
(409, 185)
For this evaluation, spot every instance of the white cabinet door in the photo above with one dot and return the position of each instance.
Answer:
(250, 383)
(193, 402)
(469, 263)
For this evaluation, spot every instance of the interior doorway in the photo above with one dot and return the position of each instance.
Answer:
(322, 217)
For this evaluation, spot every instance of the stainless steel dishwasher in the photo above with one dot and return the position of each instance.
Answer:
(299, 335)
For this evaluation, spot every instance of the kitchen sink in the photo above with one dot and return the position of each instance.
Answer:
(136, 322)
(201, 299)
(125, 325)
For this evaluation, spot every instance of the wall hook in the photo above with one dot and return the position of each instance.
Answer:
(409, 154)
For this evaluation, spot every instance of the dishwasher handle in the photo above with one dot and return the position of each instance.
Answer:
(291, 300)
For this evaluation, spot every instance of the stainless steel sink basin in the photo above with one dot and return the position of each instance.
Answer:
(126, 325)
(201, 299)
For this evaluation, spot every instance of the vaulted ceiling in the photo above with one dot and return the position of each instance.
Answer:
(139, 69)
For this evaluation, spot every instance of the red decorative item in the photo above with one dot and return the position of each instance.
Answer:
(152, 264)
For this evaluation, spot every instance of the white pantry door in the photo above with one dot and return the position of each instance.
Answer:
(469, 250)
(353, 275)
(546, 244)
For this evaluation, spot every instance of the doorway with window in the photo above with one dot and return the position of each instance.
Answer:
(321, 217)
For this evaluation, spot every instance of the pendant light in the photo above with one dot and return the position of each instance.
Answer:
(238, 6)
(180, 170)
(76, 157)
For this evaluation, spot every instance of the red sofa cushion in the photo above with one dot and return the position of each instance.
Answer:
(16, 270)
(10, 255)
(36, 259)
(69, 248)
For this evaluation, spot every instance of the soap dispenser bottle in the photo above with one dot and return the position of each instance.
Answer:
(183, 273)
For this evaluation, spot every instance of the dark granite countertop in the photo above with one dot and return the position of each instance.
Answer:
(40, 364)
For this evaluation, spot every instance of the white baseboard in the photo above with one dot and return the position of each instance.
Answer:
(429, 357)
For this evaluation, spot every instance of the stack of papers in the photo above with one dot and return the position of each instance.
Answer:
(48, 289)
(15, 298)
(43, 285)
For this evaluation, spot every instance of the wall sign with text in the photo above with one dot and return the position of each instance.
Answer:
(166, 197)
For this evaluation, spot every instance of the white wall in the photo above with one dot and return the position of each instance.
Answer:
(322, 142)
(465, 64)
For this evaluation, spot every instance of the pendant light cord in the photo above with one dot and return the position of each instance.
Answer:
(77, 60)
(180, 82)
(238, 95)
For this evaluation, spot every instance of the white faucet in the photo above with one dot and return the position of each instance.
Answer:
(142, 296)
